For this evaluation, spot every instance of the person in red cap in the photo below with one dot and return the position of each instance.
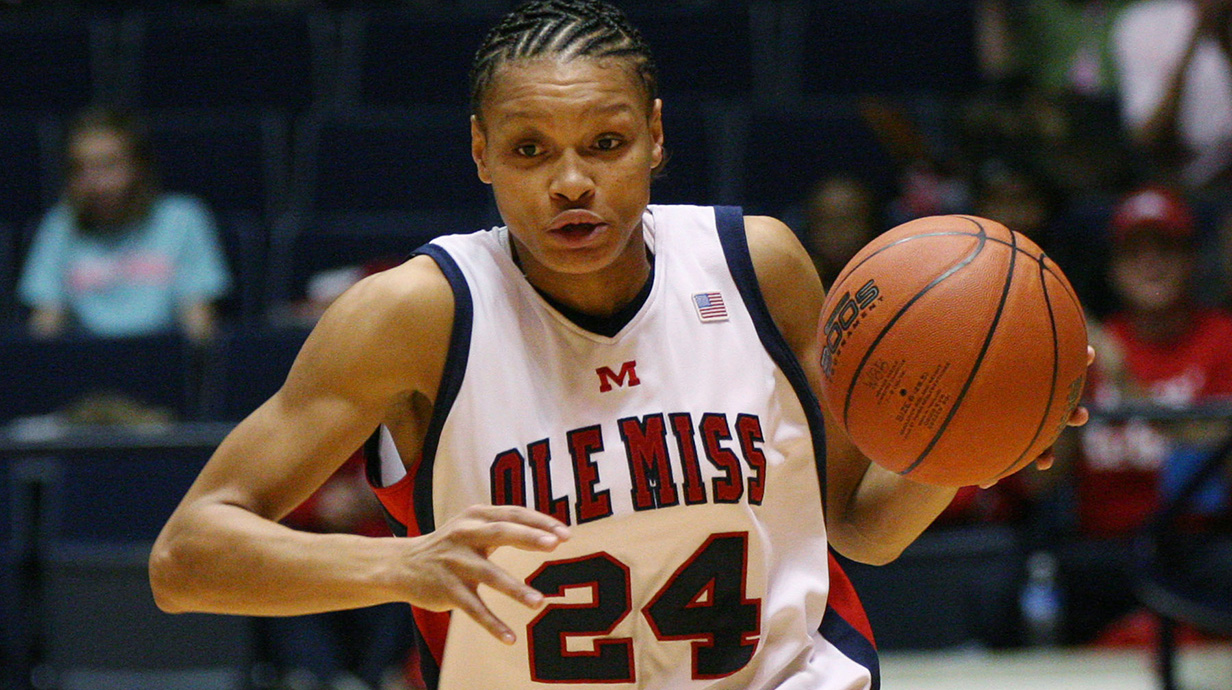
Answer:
(1159, 346)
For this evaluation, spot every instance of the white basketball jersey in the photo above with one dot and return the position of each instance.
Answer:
(686, 452)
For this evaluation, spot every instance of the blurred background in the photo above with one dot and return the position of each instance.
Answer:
(185, 186)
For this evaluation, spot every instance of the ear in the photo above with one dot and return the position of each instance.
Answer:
(479, 146)
(656, 134)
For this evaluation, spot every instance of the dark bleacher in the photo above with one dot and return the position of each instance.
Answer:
(54, 60)
(186, 57)
(29, 147)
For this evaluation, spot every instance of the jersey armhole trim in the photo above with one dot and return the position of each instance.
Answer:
(729, 220)
(451, 380)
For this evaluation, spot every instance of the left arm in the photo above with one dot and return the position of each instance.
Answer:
(872, 514)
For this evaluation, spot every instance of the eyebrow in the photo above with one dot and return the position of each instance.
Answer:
(612, 108)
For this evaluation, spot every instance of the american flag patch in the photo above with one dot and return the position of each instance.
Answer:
(710, 306)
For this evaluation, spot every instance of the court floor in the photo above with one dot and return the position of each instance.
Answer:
(1208, 667)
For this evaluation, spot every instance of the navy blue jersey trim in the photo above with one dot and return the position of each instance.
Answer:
(730, 223)
(451, 380)
(835, 629)
(429, 670)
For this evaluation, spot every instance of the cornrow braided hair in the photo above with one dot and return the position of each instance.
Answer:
(563, 28)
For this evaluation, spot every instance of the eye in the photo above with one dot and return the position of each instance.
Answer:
(609, 142)
(528, 150)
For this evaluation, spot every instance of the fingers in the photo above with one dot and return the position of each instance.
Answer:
(1090, 355)
(469, 601)
(517, 515)
(1080, 416)
(460, 549)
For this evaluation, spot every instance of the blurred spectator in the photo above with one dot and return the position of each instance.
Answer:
(1158, 347)
(842, 215)
(1175, 80)
(117, 256)
(357, 649)
(1019, 199)
(327, 285)
(1061, 46)
(927, 188)
(1049, 94)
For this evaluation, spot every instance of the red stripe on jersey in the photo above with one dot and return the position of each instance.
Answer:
(844, 600)
(398, 501)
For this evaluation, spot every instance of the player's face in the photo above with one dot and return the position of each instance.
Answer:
(569, 147)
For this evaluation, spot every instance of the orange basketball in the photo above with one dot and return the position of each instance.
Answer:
(953, 350)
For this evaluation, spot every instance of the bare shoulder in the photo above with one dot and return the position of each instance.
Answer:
(393, 326)
(788, 279)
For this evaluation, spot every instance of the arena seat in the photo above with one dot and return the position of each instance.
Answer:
(213, 58)
(401, 58)
(965, 575)
(247, 366)
(1182, 572)
(103, 631)
(28, 146)
(699, 146)
(706, 51)
(235, 159)
(384, 160)
(897, 47)
(53, 60)
(787, 149)
(43, 376)
(373, 183)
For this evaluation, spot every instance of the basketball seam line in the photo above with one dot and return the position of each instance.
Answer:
(1055, 273)
(1056, 368)
(855, 377)
(979, 360)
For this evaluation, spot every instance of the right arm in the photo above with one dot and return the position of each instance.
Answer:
(223, 550)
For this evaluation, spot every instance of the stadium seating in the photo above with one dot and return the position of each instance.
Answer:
(705, 52)
(373, 183)
(29, 143)
(201, 58)
(699, 146)
(45, 376)
(235, 159)
(1182, 572)
(54, 60)
(245, 367)
(392, 58)
(786, 150)
(897, 47)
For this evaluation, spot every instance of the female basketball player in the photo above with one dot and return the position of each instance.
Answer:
(620, 392)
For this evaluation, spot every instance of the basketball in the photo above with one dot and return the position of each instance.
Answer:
(953, 350)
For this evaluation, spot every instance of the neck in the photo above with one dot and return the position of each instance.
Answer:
(600, 293)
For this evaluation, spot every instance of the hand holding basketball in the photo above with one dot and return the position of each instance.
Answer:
(954, 350)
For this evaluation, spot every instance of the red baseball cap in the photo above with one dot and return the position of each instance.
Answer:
(1156, 208)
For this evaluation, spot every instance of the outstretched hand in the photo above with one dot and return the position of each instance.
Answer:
(443, 570)
(1078, 417)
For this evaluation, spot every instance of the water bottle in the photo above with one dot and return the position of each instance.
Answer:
(1041, 601)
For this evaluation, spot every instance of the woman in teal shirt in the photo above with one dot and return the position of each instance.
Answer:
(117, 257)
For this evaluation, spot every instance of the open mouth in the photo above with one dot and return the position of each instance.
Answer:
(576, 230)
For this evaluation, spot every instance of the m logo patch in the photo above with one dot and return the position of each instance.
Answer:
(626, 377)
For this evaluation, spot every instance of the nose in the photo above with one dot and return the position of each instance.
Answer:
(572, 180)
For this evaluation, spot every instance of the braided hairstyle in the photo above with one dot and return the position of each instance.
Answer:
(565, 29)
